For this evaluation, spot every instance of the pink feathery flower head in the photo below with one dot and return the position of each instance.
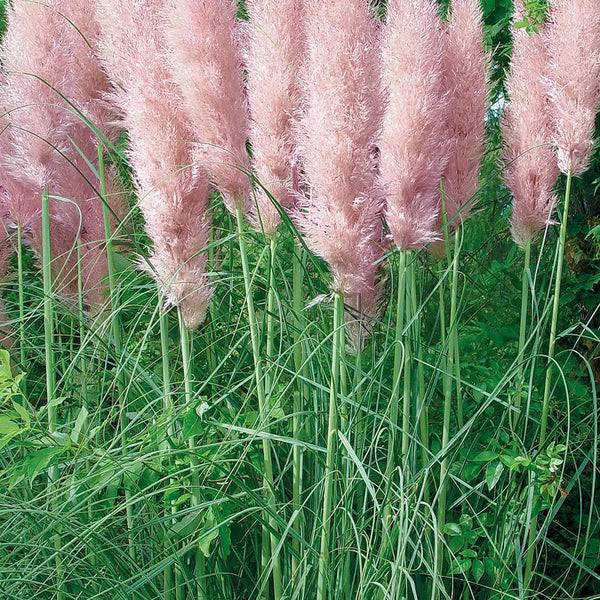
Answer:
(206, 63)
(414, 148)
(40, 65)
(532, 168)
(340, 216)
(173, 194)
(574, 47)
(465, 80)
(274, 53)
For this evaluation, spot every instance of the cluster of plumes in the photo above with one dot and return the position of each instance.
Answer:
(206, 62)
(275, 50)
(340, 215)
(527, 130)
(573, 36)
(46, 56)
(465, 81)
(413, 144)
(554, 90)
(173, 192)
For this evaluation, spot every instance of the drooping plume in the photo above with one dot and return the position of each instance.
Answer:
(414, 147)
(341, 215)
(574, 47)
(51, 46)
(205, 58)
(465, 80)
(38, 63)
(275, 50)
(172, 194)
(531, 168)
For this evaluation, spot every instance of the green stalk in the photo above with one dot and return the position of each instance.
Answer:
(115, 324)
(453, 330)
(50, 371)
(406, 392)
(550, 367)
(300, 324)
(399, 361)
(420, 408)
(199, 559)
(263, 410)
(522, 333)
(338, 343)
(167, 410)
(21, 290)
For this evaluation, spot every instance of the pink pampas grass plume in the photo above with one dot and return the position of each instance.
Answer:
(274, 54)
(526, 126)
(38, 61)
(339, 129)
(574, 47)
(172, 194)
(465, 79)
(414, 150)
(205, 59)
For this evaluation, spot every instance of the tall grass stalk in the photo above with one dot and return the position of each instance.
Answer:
(167, 406)
(522, 334)
(196, 499)
(549, 370)
(115, 326)
(51, 395)
(299, 399)
(332, 434)
(263, 410)
(21, 296)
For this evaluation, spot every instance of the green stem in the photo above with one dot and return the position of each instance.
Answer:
(50, 371)
(453, 330)
(334, 390)
(299, 396)
(406, 392)
(550, 368)
(21, 287)
(522, 333)
(167, 410)
(115, 322)
(186, 347)
(263, 410)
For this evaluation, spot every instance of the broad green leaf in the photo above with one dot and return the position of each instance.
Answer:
(8, 426)
(477, 569)
(493, 472)
(460, 566)
(79, 423)
(486, 456)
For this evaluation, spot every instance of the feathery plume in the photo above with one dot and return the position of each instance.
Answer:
(274, 53)
(414, 150)
(574, 46)
(465, 80)
(205, 59)
(526, 126)
(172, 194)
(38, 62)
(339, 130)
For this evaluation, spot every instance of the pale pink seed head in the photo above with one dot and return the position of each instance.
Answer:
(414, 147)
(205, 60)
(531, 168)
(573, 35)
(275, 48)
(341, 214)
(465, 75)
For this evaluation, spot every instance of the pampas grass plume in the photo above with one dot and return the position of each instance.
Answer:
(574, 47)
(341, 215)
(526, 126)
(274, 53)
(205, 57)
(466, 84)
(414, 151)
(173, 196)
